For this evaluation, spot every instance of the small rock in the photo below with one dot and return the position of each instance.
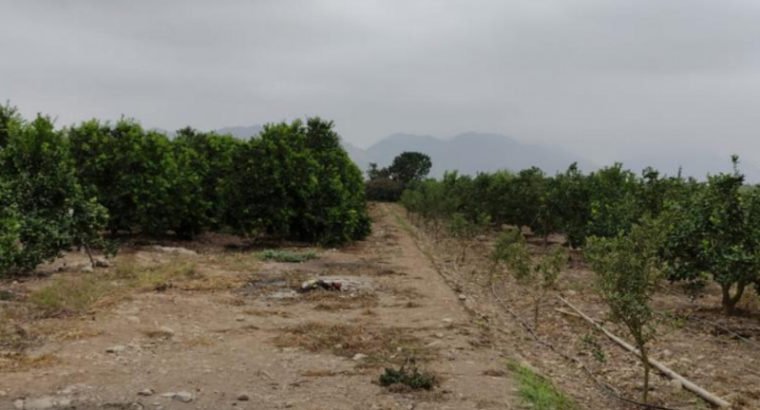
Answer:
(447, 320)
(359, 356)
(87, 269)
(169, 332)
(439, 335)
(146, 392)
(183, 396)
(19, 404)
(3, 393)
(243, 397)
(116, 349)
(462, 296)
(102, 263)
(240, 318)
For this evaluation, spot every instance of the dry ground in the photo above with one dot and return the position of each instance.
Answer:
(227, 329)
(719, 353)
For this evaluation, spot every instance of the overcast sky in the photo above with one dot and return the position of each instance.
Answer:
(608, 79)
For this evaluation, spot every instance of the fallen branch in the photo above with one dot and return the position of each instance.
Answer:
(566, 312)
(687, 384)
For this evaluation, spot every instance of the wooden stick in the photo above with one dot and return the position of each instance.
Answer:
(688, 385)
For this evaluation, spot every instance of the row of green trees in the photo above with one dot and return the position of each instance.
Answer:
(705, 230)
(68, 187)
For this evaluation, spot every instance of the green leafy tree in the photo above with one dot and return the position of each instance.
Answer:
(715, 233)
(570, 199)
(45, 210)
(537, 274)
(408, 167)
(627, 270)
(296, 181)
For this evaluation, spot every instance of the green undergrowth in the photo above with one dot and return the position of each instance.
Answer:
(537, 392)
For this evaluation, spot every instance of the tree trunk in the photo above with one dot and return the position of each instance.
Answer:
(89, 255)
(729, 302)
(645, 362)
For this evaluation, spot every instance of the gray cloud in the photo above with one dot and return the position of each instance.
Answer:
(609, 79)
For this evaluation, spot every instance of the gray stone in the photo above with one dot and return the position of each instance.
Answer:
(116, 349)
(360, 356)
(87, 269)
(146, 392)
(183, 396)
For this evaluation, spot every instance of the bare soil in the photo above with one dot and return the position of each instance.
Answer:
(718, 352)
(227, 330)
(232, 331)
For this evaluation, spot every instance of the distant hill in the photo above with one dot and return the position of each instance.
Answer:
(472, 152)
(468, 153)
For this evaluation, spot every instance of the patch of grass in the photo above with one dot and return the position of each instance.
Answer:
(68, 295)
(537, 392)
(77, 294)
(382, 346)
(406, 378)
(278, 255)
(154, 277)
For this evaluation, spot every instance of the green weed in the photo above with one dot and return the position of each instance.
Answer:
(537, 392)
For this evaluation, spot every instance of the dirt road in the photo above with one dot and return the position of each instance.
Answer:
(230, 332)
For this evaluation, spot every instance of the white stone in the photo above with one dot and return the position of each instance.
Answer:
(116, 349)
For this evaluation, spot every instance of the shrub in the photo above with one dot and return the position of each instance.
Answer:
(44, 209)
(537, 274)
(410, 378)
(627, 271)
(383, 189)
(715, 231)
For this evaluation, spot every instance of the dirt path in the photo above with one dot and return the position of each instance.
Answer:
(231, 333)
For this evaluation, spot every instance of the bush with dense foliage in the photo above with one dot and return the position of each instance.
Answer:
(387, 184)
(715, 233)
(65, 188)
(44, 210)
(296, 181)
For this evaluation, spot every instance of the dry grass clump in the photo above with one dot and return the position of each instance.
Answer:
(382, 346)
(18, 361)
(76, 294)
(331, 301)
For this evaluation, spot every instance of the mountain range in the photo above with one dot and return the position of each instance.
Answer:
(468, 153)
(473, 152)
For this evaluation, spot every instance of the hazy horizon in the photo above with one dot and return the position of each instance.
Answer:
(606, 80)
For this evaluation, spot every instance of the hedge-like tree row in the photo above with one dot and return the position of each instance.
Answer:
(61, 188)
(703, 230)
